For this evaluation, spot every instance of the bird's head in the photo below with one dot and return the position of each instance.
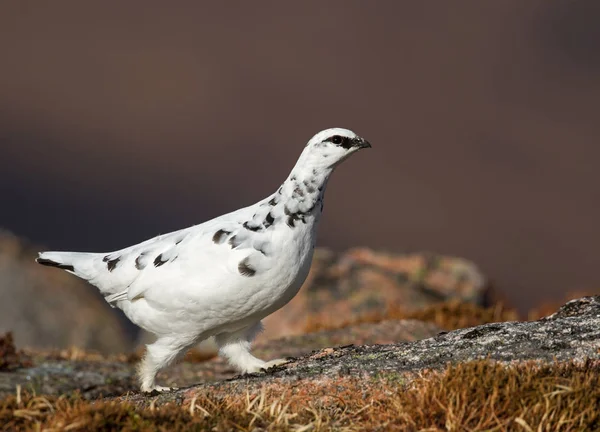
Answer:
(330, 147)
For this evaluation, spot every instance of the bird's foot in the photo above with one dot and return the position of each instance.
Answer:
(262, 366)
(156, 390)
(276, 362)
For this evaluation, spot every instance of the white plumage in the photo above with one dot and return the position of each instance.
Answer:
(221, 277)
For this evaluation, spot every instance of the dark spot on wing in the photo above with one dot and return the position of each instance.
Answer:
(220, 235)
(234, 242)
(245, 269)
(250, 227)
(273, 201)
(112, 263)
(106, 258)
(180, 240)
(269, 219)
(138, 263)
(158, 261)
(286, 210)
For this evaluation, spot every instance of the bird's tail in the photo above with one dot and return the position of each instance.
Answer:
(79, 263)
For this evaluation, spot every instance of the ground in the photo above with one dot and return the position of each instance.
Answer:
(538, 375)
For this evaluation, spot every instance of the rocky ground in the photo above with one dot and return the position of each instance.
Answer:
(69, 371)
(336, 375)
(571, 334)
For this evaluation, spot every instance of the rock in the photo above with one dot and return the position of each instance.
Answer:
(46, 308)
(384, 332)
(548, 307)
(362, 282)
(571, 334)
(58, 372)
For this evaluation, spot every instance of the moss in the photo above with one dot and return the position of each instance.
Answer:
(391, 377)
(369, 357)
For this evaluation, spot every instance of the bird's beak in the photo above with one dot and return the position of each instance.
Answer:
(361, 143)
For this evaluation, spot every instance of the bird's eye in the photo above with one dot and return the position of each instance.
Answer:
(336, 139)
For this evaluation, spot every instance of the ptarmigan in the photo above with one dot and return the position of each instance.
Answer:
(221, 277)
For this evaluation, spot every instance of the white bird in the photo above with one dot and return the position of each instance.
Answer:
(222, 277)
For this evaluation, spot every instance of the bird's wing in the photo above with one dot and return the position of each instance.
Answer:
(205, 257)
(113, 272)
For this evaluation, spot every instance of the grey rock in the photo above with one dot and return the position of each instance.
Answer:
(571, 334)
(103, 376)
(90, 379)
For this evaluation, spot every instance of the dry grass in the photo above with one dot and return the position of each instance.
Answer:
(469, 397)
(487, 396)
(449, 315)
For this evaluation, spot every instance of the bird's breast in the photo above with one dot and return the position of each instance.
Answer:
(290, 265)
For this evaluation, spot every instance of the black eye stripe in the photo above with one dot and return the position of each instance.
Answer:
(342, 141)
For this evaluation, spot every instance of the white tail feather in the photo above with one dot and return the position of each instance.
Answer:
(79, 263)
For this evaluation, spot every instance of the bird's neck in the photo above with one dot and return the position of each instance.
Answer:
(297, 202)
(300, 197)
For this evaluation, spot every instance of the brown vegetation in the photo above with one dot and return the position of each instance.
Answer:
(10, 358)
(475, 395)
(472, 396)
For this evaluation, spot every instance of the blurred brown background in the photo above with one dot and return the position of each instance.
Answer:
(122, 120)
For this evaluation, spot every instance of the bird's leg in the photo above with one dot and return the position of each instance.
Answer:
(235, 347)
(159, 355)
